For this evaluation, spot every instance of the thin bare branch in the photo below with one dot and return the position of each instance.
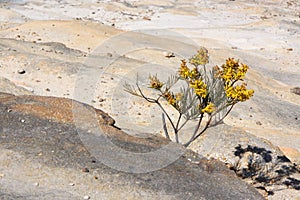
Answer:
(165, 126)
(168, 117)
(151, 100)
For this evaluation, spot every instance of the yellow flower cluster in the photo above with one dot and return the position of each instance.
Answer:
(173, 99)
(200, 87)
(209, 108)
(194, 74)
(239, 92)
(193, 77)
(155, 83)
(186, 73)
(201, 58)
(170, 98)
(233, 71)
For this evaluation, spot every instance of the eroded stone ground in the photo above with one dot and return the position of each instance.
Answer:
(45, 154)
(52, 48)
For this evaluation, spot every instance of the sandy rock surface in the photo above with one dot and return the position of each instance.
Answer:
(87, 50)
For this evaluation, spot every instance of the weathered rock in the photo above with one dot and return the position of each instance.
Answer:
(47, 149)
(273, 116)
(267, 39)
(252, 158)
(9, 87)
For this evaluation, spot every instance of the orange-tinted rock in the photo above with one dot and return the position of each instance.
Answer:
(292, 153)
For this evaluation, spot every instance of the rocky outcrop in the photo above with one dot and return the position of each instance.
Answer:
(42, 156)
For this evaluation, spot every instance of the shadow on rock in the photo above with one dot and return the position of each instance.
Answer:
(257, 161)
(262, 166)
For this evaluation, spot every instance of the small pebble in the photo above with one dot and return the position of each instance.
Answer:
(168, 54)
(22, 120)
(21, 71)
(71, 184)
(147, 18)
(47, 89)
(36, 184)
(101, 100)
(86, 197)
(85, 170)
(295, 90)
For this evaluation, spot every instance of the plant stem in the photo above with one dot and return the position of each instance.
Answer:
(206, 127)
(195, 132)
(146, 98)
(165, 126)
(164, 111)
(178, 121)
(182, 125)
(195, 137)
(176, 131)
(224, 115)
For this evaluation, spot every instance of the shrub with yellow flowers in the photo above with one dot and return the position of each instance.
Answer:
(203, 95)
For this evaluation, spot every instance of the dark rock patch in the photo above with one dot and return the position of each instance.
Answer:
(296, 90)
